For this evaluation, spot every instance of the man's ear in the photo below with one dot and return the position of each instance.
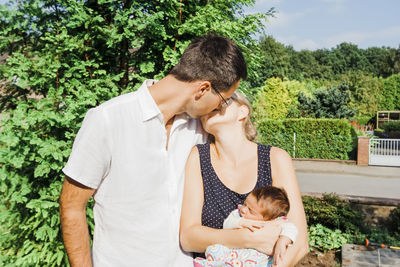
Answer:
(202, 88)
(243, 112)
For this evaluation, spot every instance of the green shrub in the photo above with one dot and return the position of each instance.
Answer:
(365, 91)
(332, 212)
(390, 96)
(272, 101)
(315, 138)
(383, 235)
(363, 120)
(332, 102)
(323, 238)
(391, 126)
(332, 222)
(394, 225)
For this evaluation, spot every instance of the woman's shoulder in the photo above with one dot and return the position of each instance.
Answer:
(275, 150)
(279, 155)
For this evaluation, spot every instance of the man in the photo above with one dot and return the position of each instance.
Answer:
(130, 155)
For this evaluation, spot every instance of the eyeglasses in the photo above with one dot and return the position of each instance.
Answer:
(225, 102)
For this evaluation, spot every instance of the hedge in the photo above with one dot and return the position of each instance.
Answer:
(315, 138)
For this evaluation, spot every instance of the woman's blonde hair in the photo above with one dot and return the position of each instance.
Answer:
(249, 129)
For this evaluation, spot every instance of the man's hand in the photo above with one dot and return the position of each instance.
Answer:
(264, 239)
(280, 249)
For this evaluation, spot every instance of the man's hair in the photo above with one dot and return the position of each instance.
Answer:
(274, 201)
(216, 59)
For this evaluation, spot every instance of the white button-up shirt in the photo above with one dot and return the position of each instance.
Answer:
(121, 151)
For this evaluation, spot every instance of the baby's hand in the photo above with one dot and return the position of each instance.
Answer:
(251, 224)
(280, 249)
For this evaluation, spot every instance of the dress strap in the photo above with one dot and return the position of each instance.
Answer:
(205, 160)
(264, 165)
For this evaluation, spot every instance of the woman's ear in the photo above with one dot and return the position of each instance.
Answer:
(201, 89)
(243, 112)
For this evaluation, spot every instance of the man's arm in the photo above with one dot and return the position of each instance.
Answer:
(196, 238)
(73, 200)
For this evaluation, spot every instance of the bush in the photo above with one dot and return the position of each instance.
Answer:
(327, 103)
(390, 97)
(323, 238)
(332, 212)
(333, 222)
(363, 120)
(391, 126)
(272, 101)
(364, 93)
(315, 138)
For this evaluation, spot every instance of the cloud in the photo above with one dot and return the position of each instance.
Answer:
(358, 37)
(283, 19)
(336, 6)
(298, 43)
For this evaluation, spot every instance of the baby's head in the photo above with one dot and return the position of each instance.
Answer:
(265, 203)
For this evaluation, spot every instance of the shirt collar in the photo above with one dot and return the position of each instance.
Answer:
(148, 105)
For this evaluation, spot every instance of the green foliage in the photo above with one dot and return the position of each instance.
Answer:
(333, 222)
(332, 212)
(315, 138)
(62, 58)
(275, 59)
(323, 238)
(330, 103)
(278, 99)
(283, 61)
(390, 97)
(394, 225)
(365, 92)
(391, 126)
(272, 101)
(363, 120)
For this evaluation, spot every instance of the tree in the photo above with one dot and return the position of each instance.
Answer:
(275, 59)
(64, 57)
(390, 96)
(272, 101)
(365, 92)
(327, 103)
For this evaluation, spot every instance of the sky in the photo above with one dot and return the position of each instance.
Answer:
(314, 24)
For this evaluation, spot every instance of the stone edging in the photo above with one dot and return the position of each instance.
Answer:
(362, 200)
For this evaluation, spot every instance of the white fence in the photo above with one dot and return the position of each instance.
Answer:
(384, 152)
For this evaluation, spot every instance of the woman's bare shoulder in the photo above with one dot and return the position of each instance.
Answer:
(279, 155)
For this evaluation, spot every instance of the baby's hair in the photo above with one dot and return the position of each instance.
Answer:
(274, 201)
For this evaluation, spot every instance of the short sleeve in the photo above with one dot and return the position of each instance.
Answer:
(289, 230)
(232, 221)
(90, 158)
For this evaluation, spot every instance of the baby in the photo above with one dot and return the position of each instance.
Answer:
(262, 204)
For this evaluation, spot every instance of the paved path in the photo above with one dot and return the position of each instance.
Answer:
(360, 256)
(347, 179)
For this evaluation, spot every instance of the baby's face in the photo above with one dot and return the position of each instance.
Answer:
(251, 209)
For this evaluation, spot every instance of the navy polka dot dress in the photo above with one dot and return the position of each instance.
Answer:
(219, 200)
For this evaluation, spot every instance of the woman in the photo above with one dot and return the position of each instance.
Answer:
(219, 176)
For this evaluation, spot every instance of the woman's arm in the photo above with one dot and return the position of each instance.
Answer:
(196, 238)
(284, 176)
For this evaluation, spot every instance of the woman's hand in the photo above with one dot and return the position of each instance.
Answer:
(251, 224)
(264, 239)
